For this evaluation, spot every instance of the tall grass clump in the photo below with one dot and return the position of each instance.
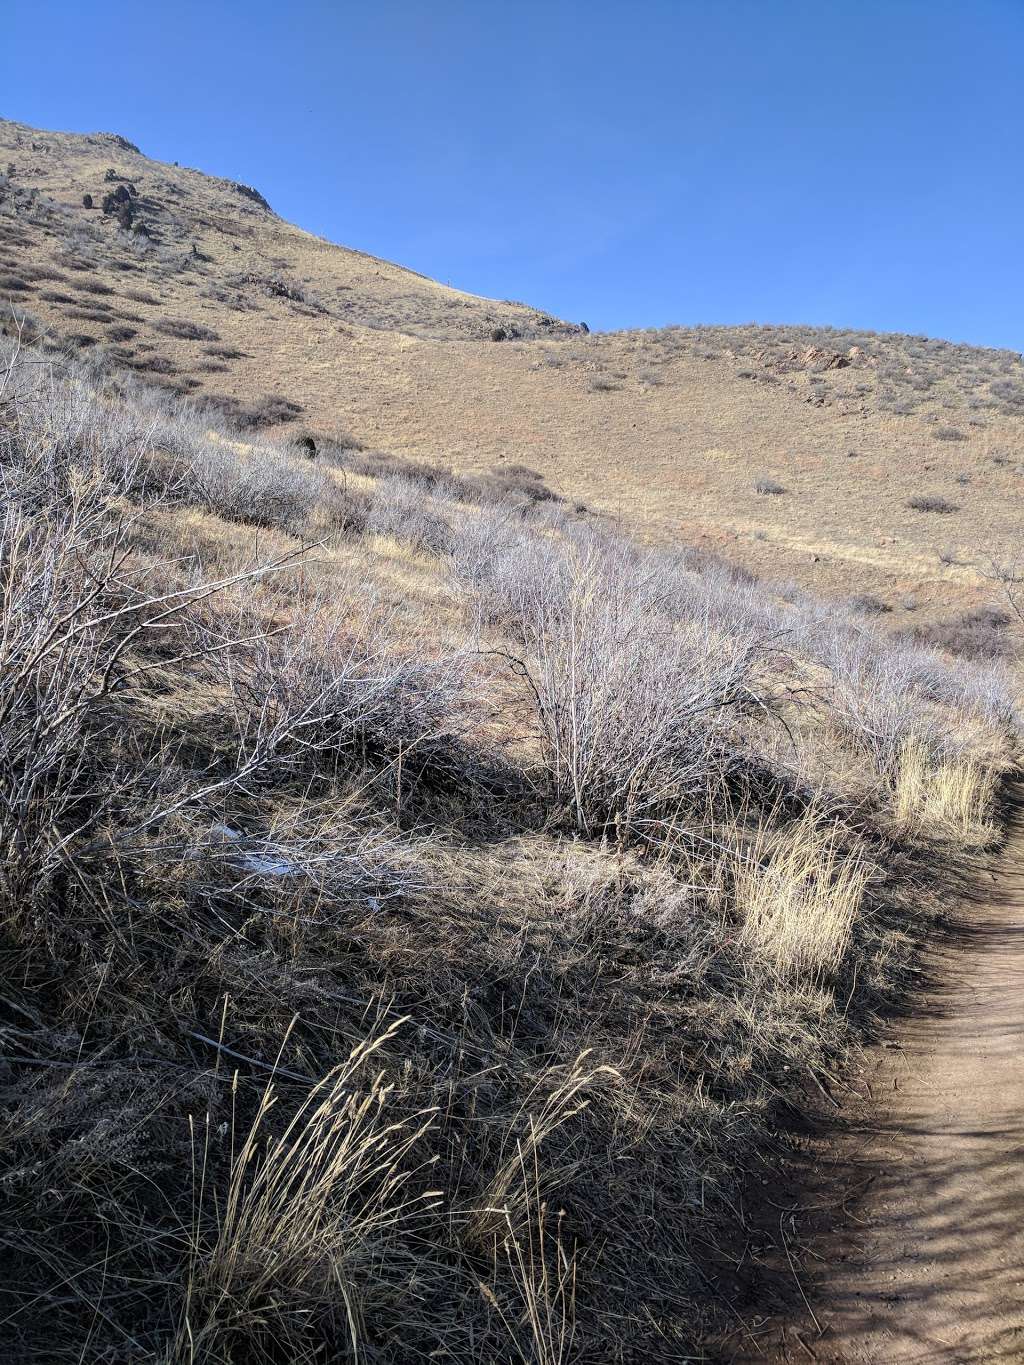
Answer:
(943, 797)
(310, 1215)
(798, 893)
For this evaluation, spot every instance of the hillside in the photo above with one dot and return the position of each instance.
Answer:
(797, 451)
(419, 904)
(428, 902)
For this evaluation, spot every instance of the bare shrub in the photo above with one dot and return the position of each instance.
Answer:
(867, 604)
(515, 484)
(634, 709)
(184, 330)
(262, 487)
(151, 363)
(506, 569)
(401, 509)
(270, 411)
(932, 502)
(332, 693)
(81, 249)
(982, 634)
(769, 487)
(1010, 394)
(224, 352)
(95, 287)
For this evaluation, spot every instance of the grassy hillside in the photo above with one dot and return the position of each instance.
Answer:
(418, 897)
(860, 464)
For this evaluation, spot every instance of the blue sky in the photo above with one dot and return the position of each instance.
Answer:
(855, 162)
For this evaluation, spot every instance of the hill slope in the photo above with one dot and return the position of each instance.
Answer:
(420, 901)
(797, 450)
(416, 912)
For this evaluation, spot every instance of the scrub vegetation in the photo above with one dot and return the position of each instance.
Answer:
(417, 898)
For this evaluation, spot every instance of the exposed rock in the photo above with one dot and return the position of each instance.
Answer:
(250, 193)
(815, 358)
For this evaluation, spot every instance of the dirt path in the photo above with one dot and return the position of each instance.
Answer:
(920, 1218)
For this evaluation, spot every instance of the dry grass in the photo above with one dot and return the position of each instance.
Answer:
(943, 797)
(543, 1333)
(798, 894)
(308, 1216)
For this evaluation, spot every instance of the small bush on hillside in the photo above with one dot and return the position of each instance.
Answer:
(151, 363)
(512, 483)
(1010, 394)
(95, 313)
(949, 434)
(982, 634)
(87, 201)
(94, 287)
(273, 409)
(262, 488)
(635, 709)
(265, 412)
(184, 330)
(866, 604)
(932, 502)
(224, 352)
(769, 488)
(399, 508)
(505, 570)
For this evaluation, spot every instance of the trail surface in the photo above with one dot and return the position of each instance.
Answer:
(920, 1209)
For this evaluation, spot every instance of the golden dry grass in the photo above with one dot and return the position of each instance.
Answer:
(944, 798)
(308, 1213)
(798, 893)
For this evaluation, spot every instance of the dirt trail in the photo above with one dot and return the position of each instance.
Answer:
(920, 1220)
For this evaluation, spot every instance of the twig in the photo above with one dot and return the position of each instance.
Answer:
(796, 1277)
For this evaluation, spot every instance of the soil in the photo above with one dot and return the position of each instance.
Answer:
(907, 1239)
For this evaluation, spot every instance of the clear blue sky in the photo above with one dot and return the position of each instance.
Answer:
(857, 162)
